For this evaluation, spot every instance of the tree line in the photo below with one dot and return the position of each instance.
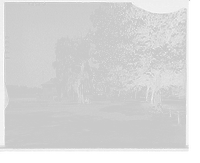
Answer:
(71, 65)
(129, 50)
(135, 49)
(23, 89)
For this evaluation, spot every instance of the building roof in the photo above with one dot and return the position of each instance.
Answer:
(49, 83)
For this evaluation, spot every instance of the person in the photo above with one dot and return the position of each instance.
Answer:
(6, 97)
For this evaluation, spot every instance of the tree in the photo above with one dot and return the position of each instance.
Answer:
(97, 76)
(107, 24)
(126, 35)
(72, 65)
(161, 37)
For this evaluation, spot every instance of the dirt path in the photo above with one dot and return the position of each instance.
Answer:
(90, 126)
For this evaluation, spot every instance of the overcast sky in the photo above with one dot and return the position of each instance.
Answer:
(33, 30)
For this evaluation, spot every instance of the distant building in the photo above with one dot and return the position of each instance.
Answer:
(49, 91)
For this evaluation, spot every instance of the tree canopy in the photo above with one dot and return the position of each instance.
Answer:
(137, 47)
(71, 65)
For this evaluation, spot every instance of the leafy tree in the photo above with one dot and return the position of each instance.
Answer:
(72, 65)
(141, 45)
(158, 41)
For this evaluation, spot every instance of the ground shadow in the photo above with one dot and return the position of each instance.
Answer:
(97, 125)
(81, 104)
(130, 108)
(143, 107)
(174, 106)
(69, 103)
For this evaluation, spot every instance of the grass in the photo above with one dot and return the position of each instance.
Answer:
(18, 95)
(174, 104)
(132, 107)
(97, 125)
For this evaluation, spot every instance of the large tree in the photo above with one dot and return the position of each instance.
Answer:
(142, 43)
(72, 69)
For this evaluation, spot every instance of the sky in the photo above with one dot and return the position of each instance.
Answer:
(32, 32)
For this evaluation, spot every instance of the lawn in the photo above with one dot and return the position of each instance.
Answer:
(36, 125)
(174, 104)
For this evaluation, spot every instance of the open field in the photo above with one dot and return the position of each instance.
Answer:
(17, 95)
(32, 125)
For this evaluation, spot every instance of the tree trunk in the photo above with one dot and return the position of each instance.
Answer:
(80, 89)
(79, 94)
(157, 96)
(74, 95)
(119, 93)
(135, 94)
(132, 94)
(152, 97)
(80, 98)
(147, 93)
(156, 100)
(77, 90)
(61, 96)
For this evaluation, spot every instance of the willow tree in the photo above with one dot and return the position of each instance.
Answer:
(72, 66)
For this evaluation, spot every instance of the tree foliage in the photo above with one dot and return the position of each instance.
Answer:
(71, 65)
(141, 49)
